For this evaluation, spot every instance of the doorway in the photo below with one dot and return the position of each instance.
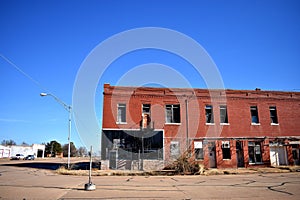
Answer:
(212, 154)
(240, 154)
(113, 159)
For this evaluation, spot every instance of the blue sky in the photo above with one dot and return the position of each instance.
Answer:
(253, 43)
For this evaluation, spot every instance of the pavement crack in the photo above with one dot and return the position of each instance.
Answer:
(279, 185)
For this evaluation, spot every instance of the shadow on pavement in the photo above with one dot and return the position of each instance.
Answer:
(55, 166)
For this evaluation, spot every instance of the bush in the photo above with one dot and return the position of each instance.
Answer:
(184, 165)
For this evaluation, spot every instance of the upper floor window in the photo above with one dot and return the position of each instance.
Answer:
(254, 115)
(146, 109)
(121, 118)
(145, 116)
(173, 113)
(223, 115)
(209, 114)
(273, 115)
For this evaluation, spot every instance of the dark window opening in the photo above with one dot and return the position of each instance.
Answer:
(146, 109)
(172, 113)
(226, 150)
(129, 144)
(273, 115)
(254, 150)
(209, 114)
(254, 114)
(223, 114)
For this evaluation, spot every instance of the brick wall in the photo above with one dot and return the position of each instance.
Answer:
(194, 124)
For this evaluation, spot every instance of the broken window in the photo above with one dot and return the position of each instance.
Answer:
(254, 150)
(295, 151)
(121, 113)
(209, 114)
(174, 149)
(273, 115)
(198, 150)
(254, 115)
(223, 115)
(226, 149)
(146, 119)
(146, 109)
(172, 113)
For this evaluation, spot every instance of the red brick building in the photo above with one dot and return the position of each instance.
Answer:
(221, 128)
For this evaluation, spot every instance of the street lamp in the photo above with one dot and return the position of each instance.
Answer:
(69, 109)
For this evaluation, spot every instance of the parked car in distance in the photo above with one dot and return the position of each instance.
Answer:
(18, 157)
(29, 157)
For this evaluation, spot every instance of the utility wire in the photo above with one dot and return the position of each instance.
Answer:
(22, 72)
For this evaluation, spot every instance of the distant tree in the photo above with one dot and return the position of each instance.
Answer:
(8, 142)
(53, 148)
(24, 144)
(73, 151)
(82, 151)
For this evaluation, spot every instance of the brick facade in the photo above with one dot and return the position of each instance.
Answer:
(181, 116)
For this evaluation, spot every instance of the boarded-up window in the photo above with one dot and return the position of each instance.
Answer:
(174, 149)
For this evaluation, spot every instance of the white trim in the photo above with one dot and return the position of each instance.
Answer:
(168, 123)
(294, 142)
(255, 124)
(121, 122)
(210, 124)
(224, 124)
(274, 124)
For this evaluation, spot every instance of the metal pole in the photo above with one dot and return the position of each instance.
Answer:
(90, 171)
(90, 186)
(187, 124)
(69, 109)
(142, 163)
(69, 136)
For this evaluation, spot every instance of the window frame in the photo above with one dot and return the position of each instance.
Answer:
(254, 147)
(209, 114)
(121, 113)
(198, 150)
(174, 109)
(226, 151)
(254, 115)
(174, 149)
(273, 114)
(222, 108)
(148, 106)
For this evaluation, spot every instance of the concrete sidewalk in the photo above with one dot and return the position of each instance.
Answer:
(207, 172)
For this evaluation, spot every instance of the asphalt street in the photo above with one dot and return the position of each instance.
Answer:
(31, 183)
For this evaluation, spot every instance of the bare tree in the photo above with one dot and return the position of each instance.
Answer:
(82, 151)
(8, 142)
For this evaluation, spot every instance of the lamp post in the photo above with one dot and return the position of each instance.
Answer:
(69, 109)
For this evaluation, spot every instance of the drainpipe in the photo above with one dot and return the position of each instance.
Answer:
(187, 124)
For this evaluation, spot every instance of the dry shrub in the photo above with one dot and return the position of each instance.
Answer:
(184, 165)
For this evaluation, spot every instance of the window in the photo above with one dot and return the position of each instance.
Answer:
(254, 115)
(172, 113)
(273, 115)
(146, 109)
(174, 149)
(254, 151)
(226, 150)
(223, 115)
(145, 123)
(121, 113)
(198, 150)
(209, 114)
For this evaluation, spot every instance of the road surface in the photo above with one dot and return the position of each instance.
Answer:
(31, 183)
